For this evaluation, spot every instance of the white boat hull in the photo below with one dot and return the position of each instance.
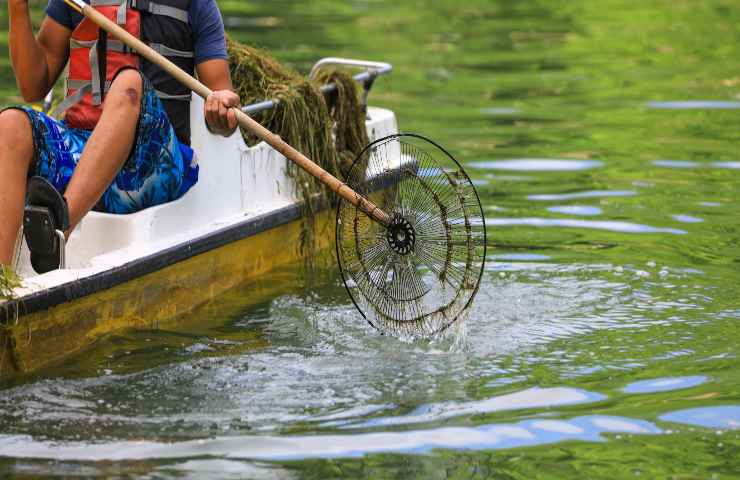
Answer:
(236, 182)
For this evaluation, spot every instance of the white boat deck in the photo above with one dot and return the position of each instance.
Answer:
(236, 182)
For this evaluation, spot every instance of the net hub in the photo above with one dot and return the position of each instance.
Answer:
(401, 235)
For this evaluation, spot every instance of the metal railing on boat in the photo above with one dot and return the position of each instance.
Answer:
(372, 71)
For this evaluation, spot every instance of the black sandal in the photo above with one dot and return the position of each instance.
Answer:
(45, 220)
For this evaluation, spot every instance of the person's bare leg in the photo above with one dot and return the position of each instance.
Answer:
(108, 146)
(16, 154)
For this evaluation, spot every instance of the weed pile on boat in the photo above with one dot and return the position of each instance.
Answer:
(329, 130)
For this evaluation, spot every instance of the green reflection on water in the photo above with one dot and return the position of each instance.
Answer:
(597, 310)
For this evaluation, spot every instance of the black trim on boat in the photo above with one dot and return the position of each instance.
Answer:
(45, 299)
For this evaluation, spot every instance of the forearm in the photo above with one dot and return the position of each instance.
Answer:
(27, 57)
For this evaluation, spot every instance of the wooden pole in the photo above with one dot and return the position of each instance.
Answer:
(245, 121)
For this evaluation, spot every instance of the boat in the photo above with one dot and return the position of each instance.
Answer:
(241, 220)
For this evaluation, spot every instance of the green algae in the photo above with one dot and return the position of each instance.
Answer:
(330, 129)
(9, 281)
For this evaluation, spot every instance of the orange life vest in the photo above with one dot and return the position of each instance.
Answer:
(96, 58)
(91, 50)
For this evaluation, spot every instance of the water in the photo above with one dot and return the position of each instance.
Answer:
(603, 343)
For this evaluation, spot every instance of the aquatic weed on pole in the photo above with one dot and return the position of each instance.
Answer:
(346, 112)
(331, 130)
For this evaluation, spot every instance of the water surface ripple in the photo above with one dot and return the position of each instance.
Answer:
(603, 342)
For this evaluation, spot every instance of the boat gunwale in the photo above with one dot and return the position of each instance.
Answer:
(81, 287)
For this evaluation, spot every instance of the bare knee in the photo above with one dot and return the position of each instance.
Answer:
(15, 132)
(125, 91)
(14, 126)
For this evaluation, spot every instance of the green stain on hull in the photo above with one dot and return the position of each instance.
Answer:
(9, 281)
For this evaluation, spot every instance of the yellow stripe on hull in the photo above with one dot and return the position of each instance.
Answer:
(46, 337)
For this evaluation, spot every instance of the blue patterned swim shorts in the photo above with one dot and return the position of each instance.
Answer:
(157, 171)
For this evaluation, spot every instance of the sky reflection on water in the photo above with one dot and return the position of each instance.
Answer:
(695, 105)
(530, 432)
(725, 416)
(675, 163)
(531, 398)
(536, 165)
(687, 219)
(686, 164)
(612, 226)
(520, 257)
(579, 195)
(584, 210)
(664, 384)
(589, 428)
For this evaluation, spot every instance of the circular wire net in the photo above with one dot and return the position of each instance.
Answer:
(418, 275)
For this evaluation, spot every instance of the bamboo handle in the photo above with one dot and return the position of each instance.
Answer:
(245, 121)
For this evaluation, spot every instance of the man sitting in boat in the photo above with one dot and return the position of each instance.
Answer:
(124, 142)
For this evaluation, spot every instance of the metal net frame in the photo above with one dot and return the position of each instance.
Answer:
(417, 276)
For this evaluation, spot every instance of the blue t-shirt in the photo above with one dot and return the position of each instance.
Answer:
(209, 38)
